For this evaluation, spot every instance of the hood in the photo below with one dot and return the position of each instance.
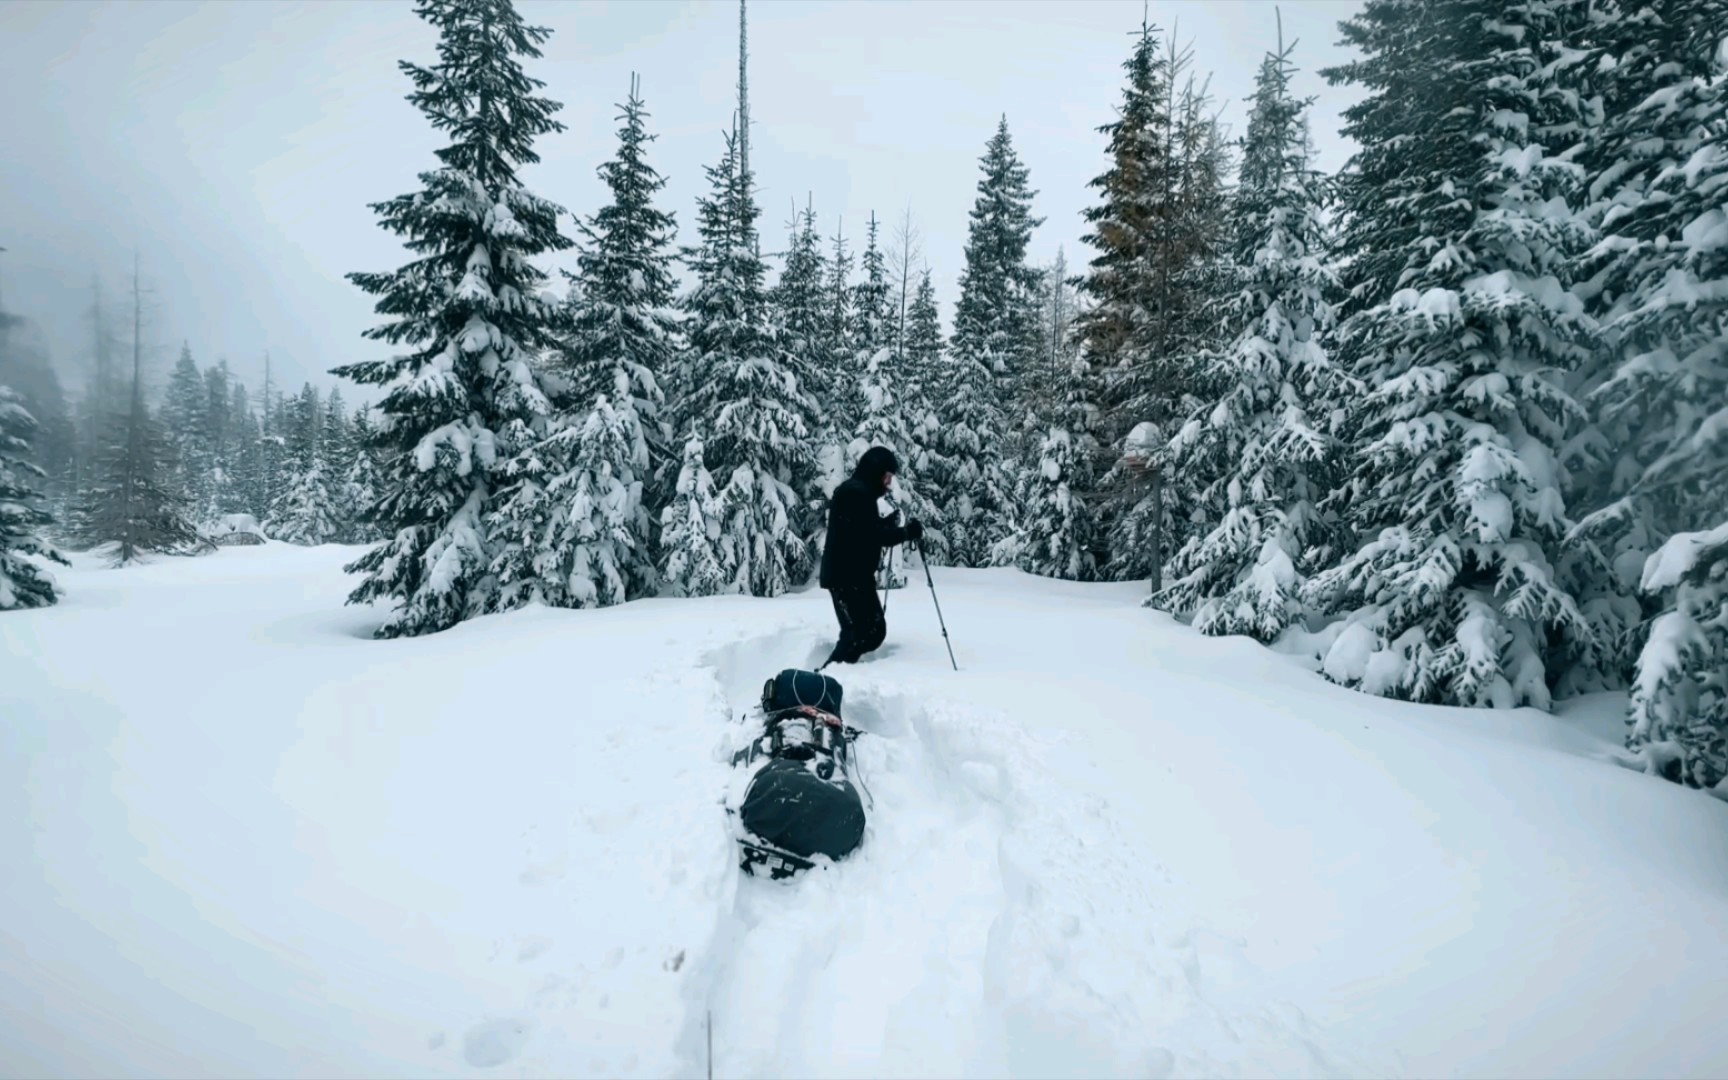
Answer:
(876, 461)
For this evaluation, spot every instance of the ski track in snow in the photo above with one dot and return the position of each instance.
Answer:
(990, 923)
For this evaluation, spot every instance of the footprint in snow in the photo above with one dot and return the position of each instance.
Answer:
(495, 1042)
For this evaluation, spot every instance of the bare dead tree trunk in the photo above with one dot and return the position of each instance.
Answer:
(905, 251)
(1058, 308)
(743, 97)
(134, 426)
(267, 427)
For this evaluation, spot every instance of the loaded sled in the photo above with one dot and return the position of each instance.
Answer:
(800, 801)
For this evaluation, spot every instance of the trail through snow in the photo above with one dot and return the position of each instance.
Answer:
(247, 841)
(991, 924)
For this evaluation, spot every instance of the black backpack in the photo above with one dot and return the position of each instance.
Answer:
(792, 688)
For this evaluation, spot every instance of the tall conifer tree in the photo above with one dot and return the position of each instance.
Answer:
(1261, 452)
(1658, 170)
(746, 397)
(993, 343)
(472, 306)
(1464, 329)
(575, 526)
(23, 583)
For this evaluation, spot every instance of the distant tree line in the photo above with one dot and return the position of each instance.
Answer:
(125, 471)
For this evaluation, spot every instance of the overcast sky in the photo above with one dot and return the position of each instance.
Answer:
(237, 144)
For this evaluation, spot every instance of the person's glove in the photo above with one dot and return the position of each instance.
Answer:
(914, 530)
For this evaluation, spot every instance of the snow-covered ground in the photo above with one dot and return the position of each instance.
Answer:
(243, 839)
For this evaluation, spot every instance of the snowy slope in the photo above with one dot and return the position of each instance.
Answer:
(248, 841)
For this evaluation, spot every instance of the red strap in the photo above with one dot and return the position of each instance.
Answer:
(820, 714)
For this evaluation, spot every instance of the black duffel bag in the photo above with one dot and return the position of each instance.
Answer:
(792, 688)
(806, 807)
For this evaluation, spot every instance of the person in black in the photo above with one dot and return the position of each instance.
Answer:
(857, 533)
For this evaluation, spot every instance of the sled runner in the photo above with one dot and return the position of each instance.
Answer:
(801, 802)
(779, 864)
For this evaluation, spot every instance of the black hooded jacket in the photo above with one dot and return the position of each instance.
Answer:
(856, 532)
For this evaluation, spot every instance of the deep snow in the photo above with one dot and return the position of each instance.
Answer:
(246, 840)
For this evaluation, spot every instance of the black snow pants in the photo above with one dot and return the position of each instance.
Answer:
(863, 626)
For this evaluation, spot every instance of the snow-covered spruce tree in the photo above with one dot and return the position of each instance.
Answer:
(472, 307)
(310, 508)
(690, 532)
(129, 501)
(834, 375)
(1203, 162)
(624, 326)
(1030, 404)
(1679, 713)
(1057, 531)
(994, 341)
(183, 414)
(1057, 534)
(871, 330)
(919, 378)
(1458, 248)
(217, 425)
(744, 395)
(361, 479)
(244, 494)
(801, 302)
(1045, 392)
(837, 343)
(27, 366)
(1264, 450)
(1185, 329)
(270, 473)
(607, 547)
(294, 455)
(1637, 54)
(924, 338)
(596, 467)
(1045, 469)
(1124, 331)
(803, 314)
(568, 531)
(976, 485)
(525, 523)
(1660, 199)
(1135, 211)
(23, 584)
(336, 449)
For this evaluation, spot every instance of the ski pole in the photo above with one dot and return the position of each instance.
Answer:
(885, 567)
(939, 621)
